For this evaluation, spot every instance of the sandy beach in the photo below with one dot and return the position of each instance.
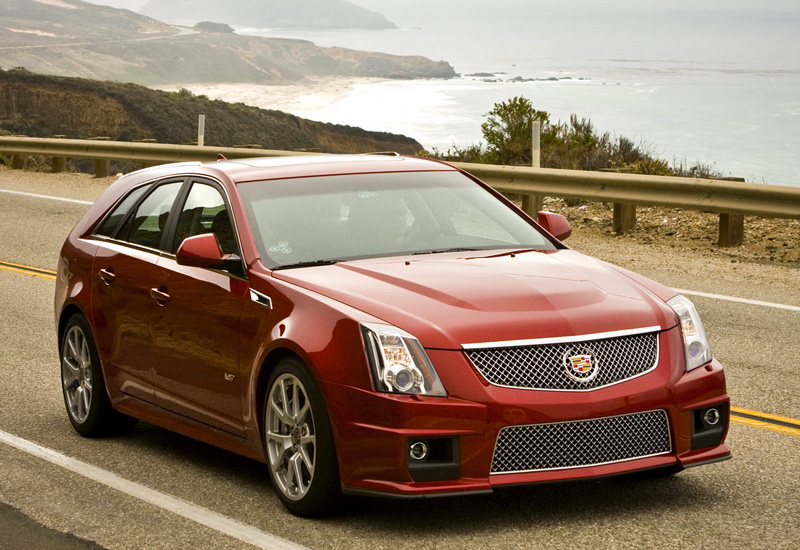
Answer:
(310, 95)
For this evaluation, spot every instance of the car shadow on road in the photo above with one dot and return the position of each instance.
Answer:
(549, 505)
(573, 504)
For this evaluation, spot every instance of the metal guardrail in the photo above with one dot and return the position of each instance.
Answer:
(731, 199)
(147, 153)
(689, 193)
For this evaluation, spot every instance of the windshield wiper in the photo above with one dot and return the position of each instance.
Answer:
(310, 263)
(445, 250)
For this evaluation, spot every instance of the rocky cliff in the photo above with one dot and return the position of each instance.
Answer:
(75, 38)
(46, 106)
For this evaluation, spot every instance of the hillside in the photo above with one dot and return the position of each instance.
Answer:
(274, 14)
(45, 106)
(76, 38)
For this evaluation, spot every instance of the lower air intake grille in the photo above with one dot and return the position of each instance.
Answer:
(581, 443)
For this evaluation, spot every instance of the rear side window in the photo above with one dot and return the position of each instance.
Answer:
(145, 227)
(109, 225)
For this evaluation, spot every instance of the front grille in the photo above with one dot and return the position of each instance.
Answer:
(547, 366)
(581, 443)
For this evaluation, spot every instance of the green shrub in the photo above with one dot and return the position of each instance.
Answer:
(572, 145)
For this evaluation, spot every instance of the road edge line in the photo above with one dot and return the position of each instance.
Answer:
(48, 197)
(203, 516)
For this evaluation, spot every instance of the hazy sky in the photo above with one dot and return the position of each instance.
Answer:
(133, 5)
(390, 7)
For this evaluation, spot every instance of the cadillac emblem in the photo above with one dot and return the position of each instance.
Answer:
(581, 365)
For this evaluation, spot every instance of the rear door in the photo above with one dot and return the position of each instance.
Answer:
(124, 264)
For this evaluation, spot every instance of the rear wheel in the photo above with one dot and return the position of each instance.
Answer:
(88, 406)
(299, 442)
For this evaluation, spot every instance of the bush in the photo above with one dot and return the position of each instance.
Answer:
(572, 145)
(509, 131)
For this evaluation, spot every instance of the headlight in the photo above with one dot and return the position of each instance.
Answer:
(695, 342)
(398, 363)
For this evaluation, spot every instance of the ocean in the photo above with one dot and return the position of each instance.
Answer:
(720, 88)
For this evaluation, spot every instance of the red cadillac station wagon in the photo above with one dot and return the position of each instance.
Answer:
(375, 325)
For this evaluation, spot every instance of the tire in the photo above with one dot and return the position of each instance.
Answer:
(83, 386)
(298, 442)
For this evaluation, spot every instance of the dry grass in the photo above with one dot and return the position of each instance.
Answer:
(775, 241)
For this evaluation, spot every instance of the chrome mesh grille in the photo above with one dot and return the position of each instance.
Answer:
(581, 443)
(545, 366)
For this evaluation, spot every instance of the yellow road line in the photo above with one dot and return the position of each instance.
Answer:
(767, 415)
(766, 421)
(765, 425)
(28, 270)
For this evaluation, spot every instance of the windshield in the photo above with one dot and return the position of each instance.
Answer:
(319, 220)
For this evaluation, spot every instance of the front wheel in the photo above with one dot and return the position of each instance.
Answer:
(88, 406)
(299, 442)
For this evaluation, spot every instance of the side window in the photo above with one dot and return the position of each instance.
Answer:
(106, 229)
(205, 212)
(146, 226)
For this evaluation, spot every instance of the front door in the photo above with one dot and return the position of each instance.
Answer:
(194, 322)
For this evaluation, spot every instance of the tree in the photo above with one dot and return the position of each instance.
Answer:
(508, 130)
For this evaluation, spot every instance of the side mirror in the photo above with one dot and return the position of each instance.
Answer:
(555, 224)
(200, 251)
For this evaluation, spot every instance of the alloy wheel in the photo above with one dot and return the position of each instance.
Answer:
(291, 437)
(76, 374)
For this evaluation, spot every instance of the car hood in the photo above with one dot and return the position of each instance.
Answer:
(449, 300)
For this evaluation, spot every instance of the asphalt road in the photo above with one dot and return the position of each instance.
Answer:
(752, 501)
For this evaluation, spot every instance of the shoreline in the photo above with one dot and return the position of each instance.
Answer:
(310, 95)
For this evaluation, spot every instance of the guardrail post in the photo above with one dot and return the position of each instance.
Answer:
(532, 204)
(59, 164)
(18, 161)
(201, 130)
(731, 226)
(624, 217)
(731, 229)
(624, 213)
(102, 167)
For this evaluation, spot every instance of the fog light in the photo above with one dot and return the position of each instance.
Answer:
(711, 417)
(709, 425)
(418, 450)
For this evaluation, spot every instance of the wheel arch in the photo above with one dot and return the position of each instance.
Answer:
(325, 489)
(268, 365)
(66, 315)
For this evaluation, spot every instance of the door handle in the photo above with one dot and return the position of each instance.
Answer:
(160, 295)
(107, 275)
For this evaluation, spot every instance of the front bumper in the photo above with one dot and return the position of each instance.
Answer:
(374, 431)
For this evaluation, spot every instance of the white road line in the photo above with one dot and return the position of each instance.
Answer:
(203, 516)
(49, 197)
(739, 300)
